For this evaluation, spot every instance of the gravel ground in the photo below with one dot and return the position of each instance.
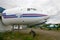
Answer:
(44, 34)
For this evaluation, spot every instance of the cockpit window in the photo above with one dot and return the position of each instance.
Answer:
(29, 9)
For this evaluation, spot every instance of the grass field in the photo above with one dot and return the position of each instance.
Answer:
(24, 35)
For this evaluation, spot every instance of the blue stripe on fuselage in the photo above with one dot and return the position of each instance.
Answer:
(22, 16)
(9, 16)
(32, 15)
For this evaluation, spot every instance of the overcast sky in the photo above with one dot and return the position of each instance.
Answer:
(50, 7)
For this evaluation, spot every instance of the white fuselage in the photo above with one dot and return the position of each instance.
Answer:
(16, 16)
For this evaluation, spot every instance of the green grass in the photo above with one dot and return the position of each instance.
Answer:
(15, 36)
(26, 36)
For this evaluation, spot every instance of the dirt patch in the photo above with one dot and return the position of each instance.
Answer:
(44, 34)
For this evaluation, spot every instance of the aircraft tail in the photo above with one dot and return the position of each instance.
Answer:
(1, 9)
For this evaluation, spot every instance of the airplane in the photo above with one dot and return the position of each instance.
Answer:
(27, 16)
(23, 16)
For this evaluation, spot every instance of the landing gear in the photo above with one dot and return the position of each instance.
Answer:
(18, 27)
(15, 27)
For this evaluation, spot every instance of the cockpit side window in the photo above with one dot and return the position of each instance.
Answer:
(28, 9)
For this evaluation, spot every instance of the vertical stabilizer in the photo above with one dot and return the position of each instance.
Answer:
(1, 9)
